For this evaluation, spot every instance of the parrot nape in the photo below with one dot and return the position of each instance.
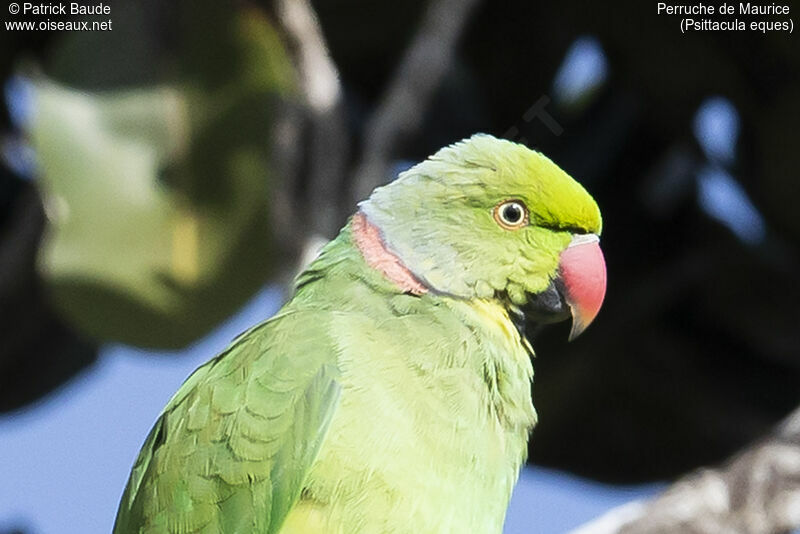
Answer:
(391, 394)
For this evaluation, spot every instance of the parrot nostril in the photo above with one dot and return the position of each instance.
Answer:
(583, 239)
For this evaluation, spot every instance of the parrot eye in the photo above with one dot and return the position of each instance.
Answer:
(511, 214)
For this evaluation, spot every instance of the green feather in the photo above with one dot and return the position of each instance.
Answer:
(232, 448)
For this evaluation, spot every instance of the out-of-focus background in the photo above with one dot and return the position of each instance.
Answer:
(163, 176)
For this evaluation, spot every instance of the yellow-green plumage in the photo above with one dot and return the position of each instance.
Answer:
(363, 408)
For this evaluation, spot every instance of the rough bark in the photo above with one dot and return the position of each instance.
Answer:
(756, 492)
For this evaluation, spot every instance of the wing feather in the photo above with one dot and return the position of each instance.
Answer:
(231, 451)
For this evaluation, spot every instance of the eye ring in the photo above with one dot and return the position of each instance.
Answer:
(511, 214)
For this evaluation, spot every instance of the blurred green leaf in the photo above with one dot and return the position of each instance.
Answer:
(158, 196)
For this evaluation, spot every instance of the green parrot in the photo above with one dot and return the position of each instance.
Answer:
(391, 394)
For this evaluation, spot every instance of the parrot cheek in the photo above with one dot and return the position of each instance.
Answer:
(582, 273)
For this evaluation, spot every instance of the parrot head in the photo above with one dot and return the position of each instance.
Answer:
(491, 219)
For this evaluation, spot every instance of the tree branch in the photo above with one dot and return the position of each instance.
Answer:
(328, 136)
(413, 84)
(756, 492)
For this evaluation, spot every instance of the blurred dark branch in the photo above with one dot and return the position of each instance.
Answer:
(329, 146)
(402, 108)
(756, 492)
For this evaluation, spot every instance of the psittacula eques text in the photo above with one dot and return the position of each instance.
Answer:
(391, 394)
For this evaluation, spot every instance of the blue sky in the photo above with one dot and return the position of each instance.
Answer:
(64, 462)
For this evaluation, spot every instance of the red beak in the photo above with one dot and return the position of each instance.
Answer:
(583, 274)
